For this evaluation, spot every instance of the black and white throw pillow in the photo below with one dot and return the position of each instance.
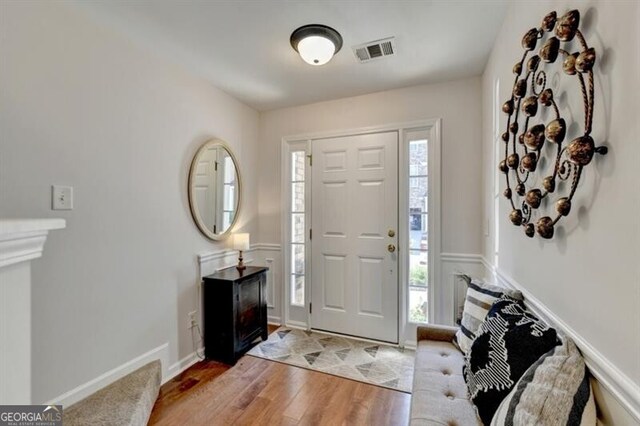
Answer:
(507, 343)
(479, 299)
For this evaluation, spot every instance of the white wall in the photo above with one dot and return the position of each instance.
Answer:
(457, 103)
(81, 106)
(588, 274)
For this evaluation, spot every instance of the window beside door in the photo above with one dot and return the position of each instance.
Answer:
(498, 144)
(418, 231)
(298, 230)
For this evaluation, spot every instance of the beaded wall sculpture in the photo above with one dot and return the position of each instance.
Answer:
(524, 156)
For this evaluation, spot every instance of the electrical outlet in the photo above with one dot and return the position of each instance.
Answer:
(193, 321)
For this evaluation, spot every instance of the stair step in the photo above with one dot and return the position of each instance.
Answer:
(126, 402)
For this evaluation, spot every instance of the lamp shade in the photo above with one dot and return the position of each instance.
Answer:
(316, 43)
(241, 241)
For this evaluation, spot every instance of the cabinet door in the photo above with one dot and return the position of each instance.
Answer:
(249, 308)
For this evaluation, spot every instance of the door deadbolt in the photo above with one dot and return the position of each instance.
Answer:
(391, 248)
(391, 233)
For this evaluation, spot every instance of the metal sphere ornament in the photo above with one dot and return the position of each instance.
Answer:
(527, 131)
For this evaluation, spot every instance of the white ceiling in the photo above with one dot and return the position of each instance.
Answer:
(243, 48)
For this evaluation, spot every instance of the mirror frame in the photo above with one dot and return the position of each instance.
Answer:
(191, 190)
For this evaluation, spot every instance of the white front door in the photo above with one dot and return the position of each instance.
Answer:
(354, 263)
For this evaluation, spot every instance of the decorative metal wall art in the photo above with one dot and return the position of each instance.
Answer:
(523, 152)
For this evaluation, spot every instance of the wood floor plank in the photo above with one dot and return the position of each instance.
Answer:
(309, 393)
(360, 405)
(225, 401)
(399, 414)
(379, 414)
(261, 392)
(340, 403)
(280, 392)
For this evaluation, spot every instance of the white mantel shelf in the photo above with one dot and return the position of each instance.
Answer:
(23, 239)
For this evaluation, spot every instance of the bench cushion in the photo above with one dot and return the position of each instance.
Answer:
(439, 392)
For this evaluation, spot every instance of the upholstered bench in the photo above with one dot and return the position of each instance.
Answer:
(439, 391)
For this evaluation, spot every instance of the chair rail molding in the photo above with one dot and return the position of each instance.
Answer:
(461, 257)
(620, 386)
(622, 391)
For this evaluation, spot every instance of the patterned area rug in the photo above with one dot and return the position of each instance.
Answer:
(373, 363)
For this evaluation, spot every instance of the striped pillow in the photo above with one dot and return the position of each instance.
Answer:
(480, 297)
(554, 390)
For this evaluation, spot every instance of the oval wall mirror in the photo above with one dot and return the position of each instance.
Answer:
(214, 189)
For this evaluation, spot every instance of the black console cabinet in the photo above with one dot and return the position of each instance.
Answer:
(235, 312)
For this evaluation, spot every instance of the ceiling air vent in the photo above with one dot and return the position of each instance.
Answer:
(375, 49)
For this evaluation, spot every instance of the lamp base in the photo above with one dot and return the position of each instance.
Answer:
(240, 266)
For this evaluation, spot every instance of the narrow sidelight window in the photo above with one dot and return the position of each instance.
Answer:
(418, 230)
(298, 229)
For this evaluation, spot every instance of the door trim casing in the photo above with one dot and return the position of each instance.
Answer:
(406, 330)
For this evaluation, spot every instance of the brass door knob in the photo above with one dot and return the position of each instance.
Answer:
(391, 248)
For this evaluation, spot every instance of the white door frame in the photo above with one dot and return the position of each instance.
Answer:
(406, 330)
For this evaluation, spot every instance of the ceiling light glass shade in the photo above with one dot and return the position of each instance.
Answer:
(316, 50)
(316, 43)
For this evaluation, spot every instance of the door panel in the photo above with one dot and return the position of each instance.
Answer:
(354, 205)
(370, 197)
(334, 209)
(335, 282)
(371, 286)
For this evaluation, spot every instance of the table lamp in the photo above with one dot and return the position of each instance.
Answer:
(240, 243)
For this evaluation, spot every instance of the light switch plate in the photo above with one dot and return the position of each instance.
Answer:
(61, 197)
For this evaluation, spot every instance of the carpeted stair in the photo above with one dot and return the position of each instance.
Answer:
(127, 401)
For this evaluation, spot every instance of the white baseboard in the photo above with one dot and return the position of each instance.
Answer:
(181, 366)
(621, 387)
(92, 386)
(80, 392)
(411, 344)
(273, 320)
(297, 324)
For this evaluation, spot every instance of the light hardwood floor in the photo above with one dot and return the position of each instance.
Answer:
(261, 392)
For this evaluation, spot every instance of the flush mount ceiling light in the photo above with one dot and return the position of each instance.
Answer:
(316, 43)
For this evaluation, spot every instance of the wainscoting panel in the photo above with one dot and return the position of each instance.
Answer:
(269, 255)
(617, 396)
(453, 265)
